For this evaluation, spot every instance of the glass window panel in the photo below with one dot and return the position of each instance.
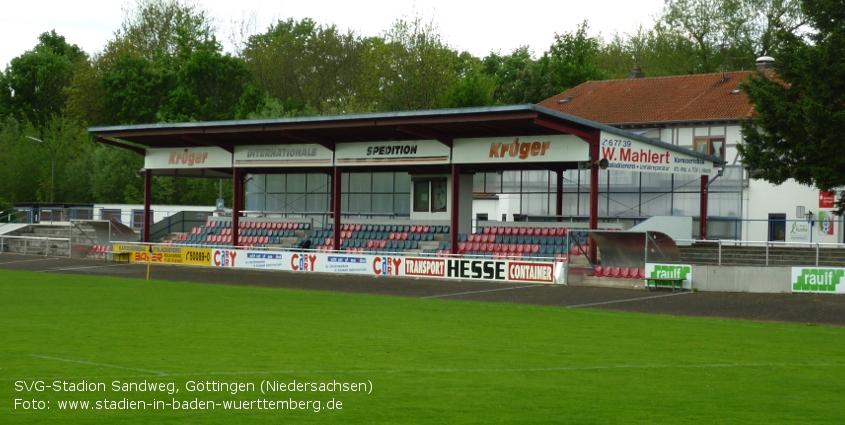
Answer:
(686, 204)
(511, 181)
(654, 182)
(296, 183)
(276, 183)
(687, 183)
(317, 202)
(317, 182)
(382, 182)
(296, 203)
(624, 181)
(360, 203)
(421, 196)
(360, 183)
(492, 183)
(254, 202)
(257, 183)
(402, 183)
(439, 193)
(535, 181)
(478, 183)
(276, 202)
(623, 205)
(656, 204)
(402, 204)
(344, 182)
(382, 203)
(535, 204)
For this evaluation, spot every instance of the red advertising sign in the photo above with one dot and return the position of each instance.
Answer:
(826, 199)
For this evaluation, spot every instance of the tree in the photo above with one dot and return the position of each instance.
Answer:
(718, 30)
(509, 72)
(303, 61)
(800, 108)
(411, 68)
(32, 87)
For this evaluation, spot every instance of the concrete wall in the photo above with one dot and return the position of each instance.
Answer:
(741, 279)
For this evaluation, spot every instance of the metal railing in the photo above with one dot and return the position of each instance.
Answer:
(767, 247)
(30, 242)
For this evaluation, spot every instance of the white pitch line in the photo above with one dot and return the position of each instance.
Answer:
(627, 300)
(98, 364)
(479, 292)
(453, 370)
(80, 268)
(28, 261)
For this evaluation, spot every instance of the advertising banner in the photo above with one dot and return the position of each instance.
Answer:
(301, 155)
(827, 199)
(826, 223)
(655, 271)
(623, 153)
(387, 265)
(818, 280)
(523, 149)
(166, 254)
(405, 152)
(799, 231)
(205, 157)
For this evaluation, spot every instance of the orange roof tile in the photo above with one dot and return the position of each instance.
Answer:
(656, 100)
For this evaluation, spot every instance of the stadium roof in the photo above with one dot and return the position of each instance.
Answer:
(660, 100)
(443, 125)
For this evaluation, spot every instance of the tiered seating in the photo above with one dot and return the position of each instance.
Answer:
(622, 272)
(250, 233)
(377, 238)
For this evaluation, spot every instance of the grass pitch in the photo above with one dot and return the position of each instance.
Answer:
(427, 361)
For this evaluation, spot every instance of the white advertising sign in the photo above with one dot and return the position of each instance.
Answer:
(301, 155)
(623, 153)
(392, 153)
(388, 265)
(555, 148)
(205, 157)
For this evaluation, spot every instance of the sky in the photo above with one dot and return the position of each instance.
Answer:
(466, 26)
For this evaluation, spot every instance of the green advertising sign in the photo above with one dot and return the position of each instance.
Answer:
(817, 279)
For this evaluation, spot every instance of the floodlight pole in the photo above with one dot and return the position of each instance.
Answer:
(52, 164)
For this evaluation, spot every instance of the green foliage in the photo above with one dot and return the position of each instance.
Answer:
(303, 61)
(800, 109)
(134, 91)
(209, 87)
(32, 87)
(412, 68)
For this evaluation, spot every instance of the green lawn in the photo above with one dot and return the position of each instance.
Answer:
(429, 361)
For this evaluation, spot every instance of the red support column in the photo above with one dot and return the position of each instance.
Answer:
(337, 192)
(148, 181)
(594, 195)
(559, 194)
(702, 221)
(237, 203)
(456, 199)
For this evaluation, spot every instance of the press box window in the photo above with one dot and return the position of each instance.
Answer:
(430, 195)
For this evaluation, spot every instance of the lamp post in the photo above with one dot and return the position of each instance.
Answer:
(52, 164)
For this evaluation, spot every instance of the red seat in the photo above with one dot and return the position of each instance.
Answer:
(391, 236)
(413, 228)
(462, 246)
(616, 272)
(476, 246)
(382, 243)
(425, 229)
(544, 231)
(529, 231)
(597, 271)
(523, 231)
(486, 230)
(508, 230)
(500, 230)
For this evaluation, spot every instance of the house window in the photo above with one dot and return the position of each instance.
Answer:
(711, 146)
